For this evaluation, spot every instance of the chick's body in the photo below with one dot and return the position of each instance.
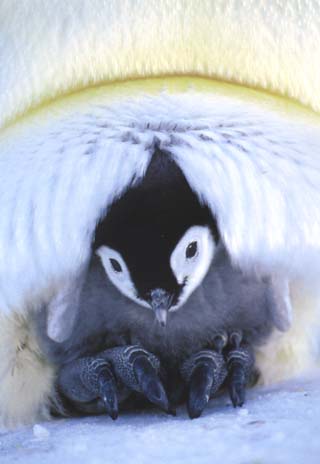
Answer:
(226, 300)
(159, 239)
(161, 279)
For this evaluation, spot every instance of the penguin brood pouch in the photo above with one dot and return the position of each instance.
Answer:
(229, 92)
(179, 310)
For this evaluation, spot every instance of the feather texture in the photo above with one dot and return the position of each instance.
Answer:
(258, 171)
(62, 48)
(27, 378)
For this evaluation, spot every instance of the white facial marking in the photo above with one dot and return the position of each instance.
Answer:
(118, 273)
(191, 258)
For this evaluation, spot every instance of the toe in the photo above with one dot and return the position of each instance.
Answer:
(88, 379)
(240, 362)
(199, 389)
(139, 371)
(204, 373)
(108, 393)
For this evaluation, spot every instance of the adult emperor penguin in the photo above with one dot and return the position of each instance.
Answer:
(230, 89)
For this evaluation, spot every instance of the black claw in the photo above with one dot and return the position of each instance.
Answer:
(149, 382)
(200, 388)
(204, 373)
(88, 379)
(172, 411)
(108, 394)
(237, 395)
(138, 370)
(114, 415)
(237, 386)
(98, 378)
(240, 364)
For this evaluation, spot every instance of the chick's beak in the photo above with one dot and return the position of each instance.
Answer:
(160, 301)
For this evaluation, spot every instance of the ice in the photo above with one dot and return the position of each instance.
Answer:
(279, 425)
(243, 412)
(40, 432)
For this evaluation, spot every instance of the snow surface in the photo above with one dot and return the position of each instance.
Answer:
(276, 425)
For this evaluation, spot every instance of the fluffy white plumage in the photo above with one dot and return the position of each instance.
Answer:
(258, 172)
(64, 47)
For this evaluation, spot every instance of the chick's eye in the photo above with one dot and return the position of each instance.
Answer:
(116, 265)
(191, 250)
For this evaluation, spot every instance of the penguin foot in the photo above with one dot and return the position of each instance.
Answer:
(230, 362)
(98, 383)
(89, 384)
(204, 373)
(240, 364)
(139, 371)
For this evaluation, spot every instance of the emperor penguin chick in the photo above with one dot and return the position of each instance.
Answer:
(161, 298)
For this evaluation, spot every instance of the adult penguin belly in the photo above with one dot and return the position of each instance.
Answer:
(253, 157)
